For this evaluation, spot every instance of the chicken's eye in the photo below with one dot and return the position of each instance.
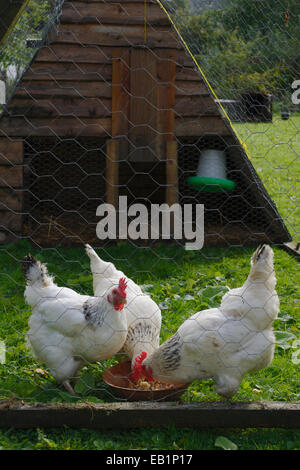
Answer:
(114, 291)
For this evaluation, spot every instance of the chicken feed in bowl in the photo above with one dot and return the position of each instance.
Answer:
(122, 385)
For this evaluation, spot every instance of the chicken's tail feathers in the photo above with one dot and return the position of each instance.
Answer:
(98, 266)
(89, 250)
(35, 272)
(262, 253)
(262, 259)
(95, 260)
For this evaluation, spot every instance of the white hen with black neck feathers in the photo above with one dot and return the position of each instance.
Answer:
(227, 342)
(143, 314)
(67, 329)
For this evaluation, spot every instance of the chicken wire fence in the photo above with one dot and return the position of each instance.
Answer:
(115, 111)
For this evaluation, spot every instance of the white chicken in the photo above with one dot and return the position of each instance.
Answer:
(143, 314)
(67, 329)
(227, 342)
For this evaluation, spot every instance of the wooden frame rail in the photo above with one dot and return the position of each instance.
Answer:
(126, 415)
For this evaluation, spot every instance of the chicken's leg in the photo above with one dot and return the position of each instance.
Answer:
(68, 387)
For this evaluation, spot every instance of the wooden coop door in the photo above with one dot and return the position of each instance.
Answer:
(143, 105)
(143, 99)
(143, 102)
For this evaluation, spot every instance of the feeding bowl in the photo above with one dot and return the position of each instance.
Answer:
(121, 385)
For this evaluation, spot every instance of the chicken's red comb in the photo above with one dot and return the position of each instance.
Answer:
(122, 284)
(139, 359)
(137, 372)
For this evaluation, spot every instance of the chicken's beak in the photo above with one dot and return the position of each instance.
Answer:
(123, 302)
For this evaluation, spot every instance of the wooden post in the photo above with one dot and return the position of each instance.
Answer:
(172, 172)
(171, 177)
(120, 98)
(143, 105)
(11, 187)
(112, 172)
(166, 76)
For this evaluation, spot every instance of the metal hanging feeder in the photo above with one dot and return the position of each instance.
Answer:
(211, 173)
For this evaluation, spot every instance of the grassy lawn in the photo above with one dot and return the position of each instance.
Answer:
(149, 439)
(182, 283)
(274, 149)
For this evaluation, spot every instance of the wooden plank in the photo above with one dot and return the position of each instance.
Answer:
(126, 415)
(11, 151)
(188, 73)
(10, 221)
(172, 172)
(113, 13)
(196, 106)
(60, 106)
(51, 88)
(129, 20)
(66, 71)
(76, 53)
(11, 176)
(186, 127)
(143, 105)
(10, 199)
(120, 92)
(166, 73)
(116, 35)
(62, 126)
(112, 172)
(192, 88)
(184, 59)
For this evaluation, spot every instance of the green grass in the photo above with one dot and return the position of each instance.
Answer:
(184, 282)
(170, 274)
(148, 439)
(274, 149)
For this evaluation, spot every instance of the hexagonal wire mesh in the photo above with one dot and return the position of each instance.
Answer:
(109, 102)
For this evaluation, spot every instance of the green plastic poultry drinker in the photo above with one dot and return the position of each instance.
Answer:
(211, 173)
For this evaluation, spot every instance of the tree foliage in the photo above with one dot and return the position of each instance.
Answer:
(14, 54)
(248, 46)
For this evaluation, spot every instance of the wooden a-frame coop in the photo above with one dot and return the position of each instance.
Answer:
(113, 104)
